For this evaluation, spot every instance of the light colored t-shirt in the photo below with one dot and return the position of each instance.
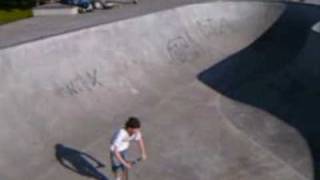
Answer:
(121, 140)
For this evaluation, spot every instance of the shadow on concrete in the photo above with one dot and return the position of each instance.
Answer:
(279, 73)
(79, 162)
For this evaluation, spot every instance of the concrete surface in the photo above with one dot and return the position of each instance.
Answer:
(42, 27)
(312, 2)
(278, 73)
(55, 9)
(76, 88)
(316, 27)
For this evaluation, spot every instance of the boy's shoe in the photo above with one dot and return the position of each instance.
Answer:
(98, 5)
(89, 8)
(110, 5)
(135, 1)
(86, 10)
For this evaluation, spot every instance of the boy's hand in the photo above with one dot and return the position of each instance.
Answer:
(128, 165)
(144, 157)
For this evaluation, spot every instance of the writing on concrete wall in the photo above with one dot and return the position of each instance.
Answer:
(82, 83)
(181, 49)
(214, 27)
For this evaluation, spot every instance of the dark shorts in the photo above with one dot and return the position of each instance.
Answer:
(116, 165)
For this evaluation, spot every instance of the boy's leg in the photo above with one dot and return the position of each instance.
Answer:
(118, 169)
(126, 174)
(125, 171)
(118, 176)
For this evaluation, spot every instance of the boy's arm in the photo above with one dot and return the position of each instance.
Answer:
(142, 148)
(119, 157)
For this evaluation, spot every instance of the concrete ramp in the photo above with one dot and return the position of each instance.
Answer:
(278, 73)
(76, 88)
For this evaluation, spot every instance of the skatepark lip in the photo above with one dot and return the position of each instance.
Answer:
(316, 27)
(24, 31)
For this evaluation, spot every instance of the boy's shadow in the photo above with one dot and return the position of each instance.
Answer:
(79, 162)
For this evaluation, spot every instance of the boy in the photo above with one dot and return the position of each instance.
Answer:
(119, 147)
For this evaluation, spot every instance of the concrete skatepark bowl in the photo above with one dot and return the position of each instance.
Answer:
(225, 90)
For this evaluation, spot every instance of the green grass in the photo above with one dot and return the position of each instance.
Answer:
(10, 15)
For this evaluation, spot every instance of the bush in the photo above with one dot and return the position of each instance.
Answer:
(11, 15)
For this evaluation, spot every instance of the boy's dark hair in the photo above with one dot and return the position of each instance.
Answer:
(133, 122)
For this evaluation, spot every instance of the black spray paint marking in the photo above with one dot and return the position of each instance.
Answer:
(180, 49)
(213, 27)
(82, 83)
